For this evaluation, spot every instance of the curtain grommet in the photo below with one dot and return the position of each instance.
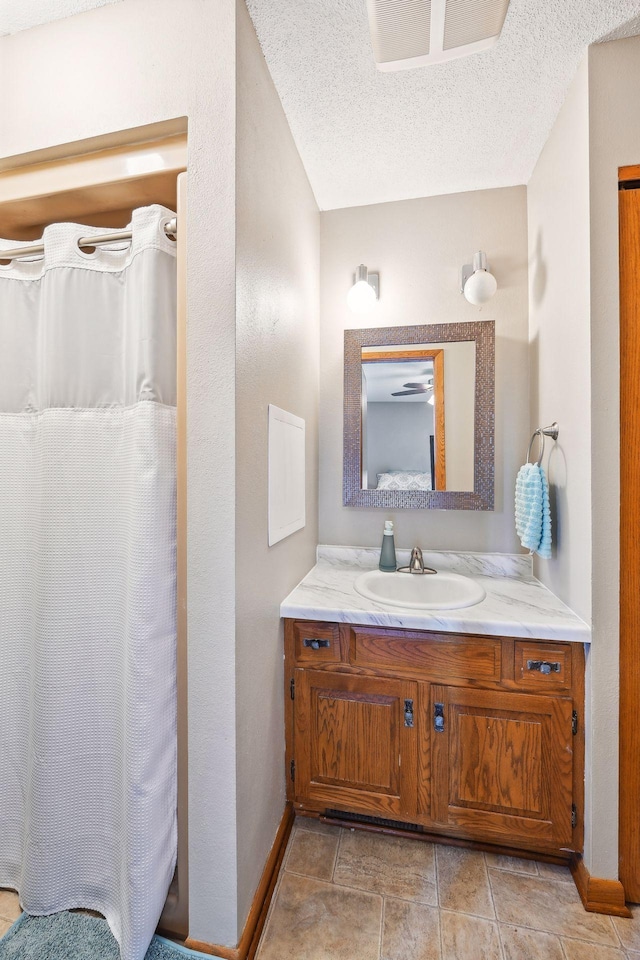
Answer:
(86, 254)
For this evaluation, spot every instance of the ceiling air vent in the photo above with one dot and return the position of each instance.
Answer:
(415, 33)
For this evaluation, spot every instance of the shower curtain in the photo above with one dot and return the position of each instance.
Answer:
(87, 576)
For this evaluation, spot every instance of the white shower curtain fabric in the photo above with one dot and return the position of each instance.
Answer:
(87, 576)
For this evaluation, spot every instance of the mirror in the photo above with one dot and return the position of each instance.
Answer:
(417, 416)
(419, 413)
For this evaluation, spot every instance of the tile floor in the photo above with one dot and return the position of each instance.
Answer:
(352, 895)
(9, 910)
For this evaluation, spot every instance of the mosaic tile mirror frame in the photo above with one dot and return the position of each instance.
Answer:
(385, 339)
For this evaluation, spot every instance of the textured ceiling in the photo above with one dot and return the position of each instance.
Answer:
(477, 122)
(16, 15)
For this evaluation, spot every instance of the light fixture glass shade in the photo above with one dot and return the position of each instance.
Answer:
(480, 287)
(362, 297)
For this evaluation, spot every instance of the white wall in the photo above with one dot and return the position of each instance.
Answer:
(277, 274)
(125, 65)
(419, 246)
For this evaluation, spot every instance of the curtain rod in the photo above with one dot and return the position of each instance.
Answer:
(37, 250)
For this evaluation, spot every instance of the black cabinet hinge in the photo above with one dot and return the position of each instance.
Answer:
(574, 816)
(292, 769)
(292, 688)
(574, 722)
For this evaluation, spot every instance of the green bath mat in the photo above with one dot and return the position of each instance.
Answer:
(75, 936)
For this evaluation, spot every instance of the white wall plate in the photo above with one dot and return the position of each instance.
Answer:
(286, 474)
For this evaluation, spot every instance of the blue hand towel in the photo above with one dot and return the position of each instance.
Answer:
(533, 516)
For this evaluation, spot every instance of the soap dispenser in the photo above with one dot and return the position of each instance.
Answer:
(388, 552)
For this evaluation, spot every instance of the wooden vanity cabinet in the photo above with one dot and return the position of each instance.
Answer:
(503, 766)
(353, 748)
(478, 738)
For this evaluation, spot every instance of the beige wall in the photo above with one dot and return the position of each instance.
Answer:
(277, 274)
(125, 65)
(459, 406)
(395, 435)
(419, 246)
(560, 341)
(573, 221)
(614, 117)
(560, 357)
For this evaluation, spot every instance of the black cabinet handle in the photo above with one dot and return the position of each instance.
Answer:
(543, 666)
(438, 717)
(408, 713)
(315, 642)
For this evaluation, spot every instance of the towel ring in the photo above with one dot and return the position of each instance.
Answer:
(536, 433)
(541, 433)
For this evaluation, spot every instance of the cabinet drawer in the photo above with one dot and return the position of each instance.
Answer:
(316, 642)
(542, 666)
(434, 656)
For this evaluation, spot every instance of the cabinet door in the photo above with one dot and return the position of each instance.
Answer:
(502, 765)
(355, 743)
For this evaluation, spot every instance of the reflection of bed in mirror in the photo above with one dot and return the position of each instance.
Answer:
(404, 480)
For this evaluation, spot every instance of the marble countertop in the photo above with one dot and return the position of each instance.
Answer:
(516, 604)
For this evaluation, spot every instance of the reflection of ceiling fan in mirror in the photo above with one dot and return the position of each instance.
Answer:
(415, 388)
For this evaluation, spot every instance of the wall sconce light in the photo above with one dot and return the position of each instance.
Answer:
(365, 291)
(476, 282)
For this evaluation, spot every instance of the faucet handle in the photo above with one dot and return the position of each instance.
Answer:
(416, 563)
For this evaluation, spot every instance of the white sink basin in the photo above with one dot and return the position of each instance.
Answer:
(436, 591)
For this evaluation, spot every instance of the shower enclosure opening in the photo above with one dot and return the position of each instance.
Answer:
(91, 553)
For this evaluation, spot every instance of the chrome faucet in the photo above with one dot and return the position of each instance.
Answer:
(416, 564)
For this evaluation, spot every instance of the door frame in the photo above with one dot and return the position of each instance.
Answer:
(629, 716)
